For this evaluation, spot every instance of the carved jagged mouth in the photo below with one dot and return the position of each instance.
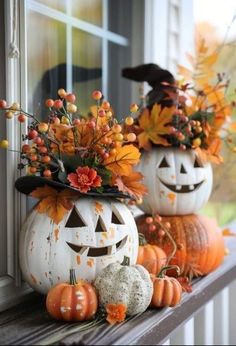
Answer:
(98, 251)
(182, 188)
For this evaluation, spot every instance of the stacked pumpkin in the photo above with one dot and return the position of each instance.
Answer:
(179, 185)
(178, 130)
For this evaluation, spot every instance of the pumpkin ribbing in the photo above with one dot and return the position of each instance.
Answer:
(152, 257)
(72, 301)
(200, 247)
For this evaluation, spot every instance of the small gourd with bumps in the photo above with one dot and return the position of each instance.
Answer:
(128, 285)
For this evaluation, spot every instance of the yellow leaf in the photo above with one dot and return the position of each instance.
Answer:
(155, 125)
(120, 163)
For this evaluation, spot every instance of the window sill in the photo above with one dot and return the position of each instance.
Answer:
(29, 323)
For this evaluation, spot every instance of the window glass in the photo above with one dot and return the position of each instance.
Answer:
(120, 16)
(59, 5)
(119, 92)
(89, 11)
(87, 67)
(46, 59)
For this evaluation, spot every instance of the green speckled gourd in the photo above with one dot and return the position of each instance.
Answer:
(129, 285)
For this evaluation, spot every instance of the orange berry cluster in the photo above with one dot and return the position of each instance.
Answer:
(96, 136)
(155, 225)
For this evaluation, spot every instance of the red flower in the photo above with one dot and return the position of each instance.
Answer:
(84, 179)
(115, 313)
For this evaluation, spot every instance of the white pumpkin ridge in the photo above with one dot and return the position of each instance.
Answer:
(178, 188)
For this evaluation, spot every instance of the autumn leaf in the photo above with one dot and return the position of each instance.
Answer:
(202, 63)
(228, 233)
(121, 162)
(131, 184)
(155, 125)
(185, 284)
(54, 203)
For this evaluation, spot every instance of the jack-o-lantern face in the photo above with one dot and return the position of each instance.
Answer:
(178, 182)
(93, 234)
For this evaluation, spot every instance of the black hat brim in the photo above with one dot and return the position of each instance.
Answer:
(29, 183)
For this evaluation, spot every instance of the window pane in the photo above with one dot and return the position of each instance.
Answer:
(120, 18)
(119, 92)
(59, 5)
(46, 58)
(89, 11)
(87, 67)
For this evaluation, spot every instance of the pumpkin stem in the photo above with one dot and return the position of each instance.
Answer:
(73, 280)
(141, 239)
(165, 268)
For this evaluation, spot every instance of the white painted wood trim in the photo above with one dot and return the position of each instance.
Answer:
(184, 335)
(155, 32)
(232, 313)
(77, 23)
(221, 318)
(105, 49)
(204, 325)
(69, 45)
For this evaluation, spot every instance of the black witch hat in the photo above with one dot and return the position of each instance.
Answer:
(155, 76)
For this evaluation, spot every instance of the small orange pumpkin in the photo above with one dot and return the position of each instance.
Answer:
(199, 242)
(72, 301)
(167, 291)
(152, 257)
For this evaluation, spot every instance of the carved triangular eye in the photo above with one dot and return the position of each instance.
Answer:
(164, 163)
(116, 220)
(197, 163)
(75, 220)
(100, 226)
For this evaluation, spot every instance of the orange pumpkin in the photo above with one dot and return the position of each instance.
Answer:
(152, 257)
(167, 291)
(72, 301)
(199, 242)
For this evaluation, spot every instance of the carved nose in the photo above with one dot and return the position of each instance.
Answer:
(182, 169)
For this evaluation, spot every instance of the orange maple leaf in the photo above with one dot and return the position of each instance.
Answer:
(155, 125)
(120, 163)
(54, 203)
(131, 184)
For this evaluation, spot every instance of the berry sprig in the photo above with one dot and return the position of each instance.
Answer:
(158, 230)
(67, 141)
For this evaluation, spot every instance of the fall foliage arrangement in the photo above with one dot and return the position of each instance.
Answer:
(86, 154)
(198, 115)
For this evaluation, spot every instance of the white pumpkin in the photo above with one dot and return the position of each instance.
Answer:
(95, 233)
(178, 183)
(129, 285)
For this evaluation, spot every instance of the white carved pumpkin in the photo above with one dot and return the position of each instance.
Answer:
(178, 183)
(95, 233)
